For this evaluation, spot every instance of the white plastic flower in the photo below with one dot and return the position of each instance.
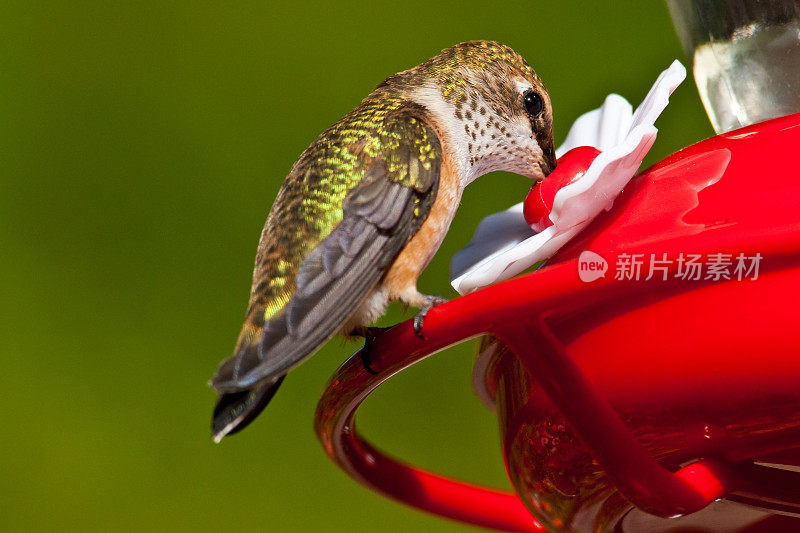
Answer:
(504, 244)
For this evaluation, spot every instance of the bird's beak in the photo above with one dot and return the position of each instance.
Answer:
(548, 163)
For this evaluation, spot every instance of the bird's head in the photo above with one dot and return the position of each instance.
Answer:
(490, 107)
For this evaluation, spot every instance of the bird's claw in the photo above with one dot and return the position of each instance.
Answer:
(419, 318)
(370, 334)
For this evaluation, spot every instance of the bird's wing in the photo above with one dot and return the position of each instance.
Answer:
(379, 216)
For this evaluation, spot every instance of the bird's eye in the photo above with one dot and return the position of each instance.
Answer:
(533, 102)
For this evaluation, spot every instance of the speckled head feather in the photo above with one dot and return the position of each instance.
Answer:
(452, 64)
(480, 84)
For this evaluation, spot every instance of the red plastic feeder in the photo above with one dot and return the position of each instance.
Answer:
(657, 400)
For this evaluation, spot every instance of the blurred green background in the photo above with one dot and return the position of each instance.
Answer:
(141, 146)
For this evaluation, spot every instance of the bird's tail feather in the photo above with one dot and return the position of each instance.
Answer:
(235, 410)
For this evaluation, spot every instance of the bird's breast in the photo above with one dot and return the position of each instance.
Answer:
(421, 248)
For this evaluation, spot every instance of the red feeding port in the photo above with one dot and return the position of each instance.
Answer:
(539, 202)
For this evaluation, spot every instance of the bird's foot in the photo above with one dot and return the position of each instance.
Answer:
(419, 318)
(369, 334)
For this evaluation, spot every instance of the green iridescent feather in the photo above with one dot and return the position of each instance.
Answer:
(385, 127)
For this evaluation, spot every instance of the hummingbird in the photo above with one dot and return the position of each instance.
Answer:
(367, 205)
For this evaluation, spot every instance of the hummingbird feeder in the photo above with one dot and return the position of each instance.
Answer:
(647, 376)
